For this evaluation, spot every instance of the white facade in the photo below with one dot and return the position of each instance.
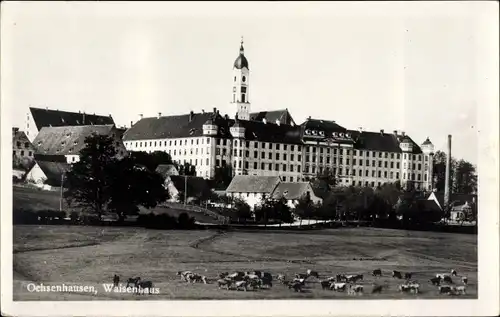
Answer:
(36, 175)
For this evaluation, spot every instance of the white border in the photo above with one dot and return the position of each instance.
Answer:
(488, 149)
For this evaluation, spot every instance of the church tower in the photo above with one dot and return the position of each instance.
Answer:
(240, 85)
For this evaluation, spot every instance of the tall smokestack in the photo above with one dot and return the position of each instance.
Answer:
(447, 174)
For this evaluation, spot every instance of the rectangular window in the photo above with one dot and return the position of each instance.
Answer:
(413, 166)
(314, 150)
(291, 157)
(379, 154)
(298, 157)
(418, 176)
(255, 154)
(277, 167)
(347, 161)
(235, 152)
(373, 163)
(284, 157)
(291, 179)
(373, 184)
(373, 173)
(217, 163)
(397, 165)
(399, 156)
(405, 157)
(327, 160)
(385, 174)
(270, 155)
(262, 166)
(270, 146)
(360, 172)
(247, 143)
(284, 167)
(340, 151)
(314, 169)
(321, 150)
(217, 151)
(425, 177)
(366, 173)
(277, 156)
(379, 163)
(292, 148)
(307, 158)
(262, 155)
(385, 164)
(270, 167)
(239, 164)
(241, 153)
(284, 178)
(22, 153)
(298, 168)
(224, 151)
(277, 146)
(353, 161)
(284, 147)
(246, 164)
(419, 166)
(335, 151)
(392, 164)
(321, 160)
(30, 153)
(397, 175)
(291, 168)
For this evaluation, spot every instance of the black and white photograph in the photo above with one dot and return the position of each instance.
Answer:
(274, 158)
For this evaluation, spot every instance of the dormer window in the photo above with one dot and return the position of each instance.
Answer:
(335, 134)
(63, 143)
(308, 131)
(315, 132)
(348, 135)
(341, 134)
(322, 133)
(39, 143)
(285, 193)
(75, 143)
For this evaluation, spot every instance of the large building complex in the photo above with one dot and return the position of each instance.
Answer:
(272, 144)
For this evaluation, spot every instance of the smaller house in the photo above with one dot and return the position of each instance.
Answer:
(252, 189)
(21, 145)
(459, 203)
(292, 192)
(167, 170)
(191, 187)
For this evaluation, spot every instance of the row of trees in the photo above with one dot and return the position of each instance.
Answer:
(463, 175)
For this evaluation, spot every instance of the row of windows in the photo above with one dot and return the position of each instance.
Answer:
(170, 142)
(372, 184)
(26, 144)
(322, 150)
(185, 152)
(277, 167)
(22, 153)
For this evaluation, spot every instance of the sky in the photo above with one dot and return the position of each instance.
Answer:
(388, 66)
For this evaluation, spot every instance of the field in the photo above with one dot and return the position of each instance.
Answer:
(92, 255)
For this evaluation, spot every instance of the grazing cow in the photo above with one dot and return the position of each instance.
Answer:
(301, 276)
(447, 279)
(377, 289)
(223, 275)
(193, 278)
(116, 280)
(301, 281)
(453, 272)
(464, 280)
(251, 277)
(266, 281)
(408, 276)
(133, 281)
(340, 287)
(313, 273)
(223, 282)
(356, 289)
(297, 287)
(325, 284)
(397, 274)
(266, 275)
(436, 281)
(354, 278)
(458, 290)
(377, 272)
(254, 284)
(144, 285)
(241, 284)
(414, 287)
(444, 289)
(183, 274)
(237, 276)
(404, 288)
(341, 278)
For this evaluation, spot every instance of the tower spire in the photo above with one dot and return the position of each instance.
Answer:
(242, 50)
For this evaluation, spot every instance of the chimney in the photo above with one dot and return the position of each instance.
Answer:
(264, 120)
(309, 118)
(202, 110)
(227, 117)
(159, 115)
(191, 113)
(83, 121)
(402, 133)
(131, 123)
(395, 132)
(360, 129)
(382, 132)
(278, 122)
(15, 129)
(140, 116)
(215, 110)
(447, 174)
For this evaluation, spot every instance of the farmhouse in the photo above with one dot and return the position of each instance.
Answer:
(38, 118)
(460, 203)
(252, 189)
(56, 148)
(167, 170)
(292, 192)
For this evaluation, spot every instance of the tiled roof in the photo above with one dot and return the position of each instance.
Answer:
(67, 139)
(253, 184)
(53, 170)
(181, 127)
(271, 116)
(196, 186)
(292, 190)
(57, 118)
(377, 141)
(425, 205)
(167, 170)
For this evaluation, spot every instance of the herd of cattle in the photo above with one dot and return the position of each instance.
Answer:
(341, 283)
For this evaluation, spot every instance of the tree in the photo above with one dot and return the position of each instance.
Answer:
(304, 207)
(89, 181)
(387, 198)
(134, 186)
(242, 209)
(282, 211)
(465, 178)
(223, 176)
(151, 160)
(328, 176)
(439, 170)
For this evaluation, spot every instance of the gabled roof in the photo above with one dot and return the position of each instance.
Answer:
(283, 116)
(292, 190)
(425, 205)
(53, 170)
(455, 199)
(378, 141)
(20, 136)
(180, 126)
(167, 170)
(67, 139)
(57, 118)
(253, 184)
(196, 186)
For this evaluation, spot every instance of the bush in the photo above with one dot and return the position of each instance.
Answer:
(185, 222)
